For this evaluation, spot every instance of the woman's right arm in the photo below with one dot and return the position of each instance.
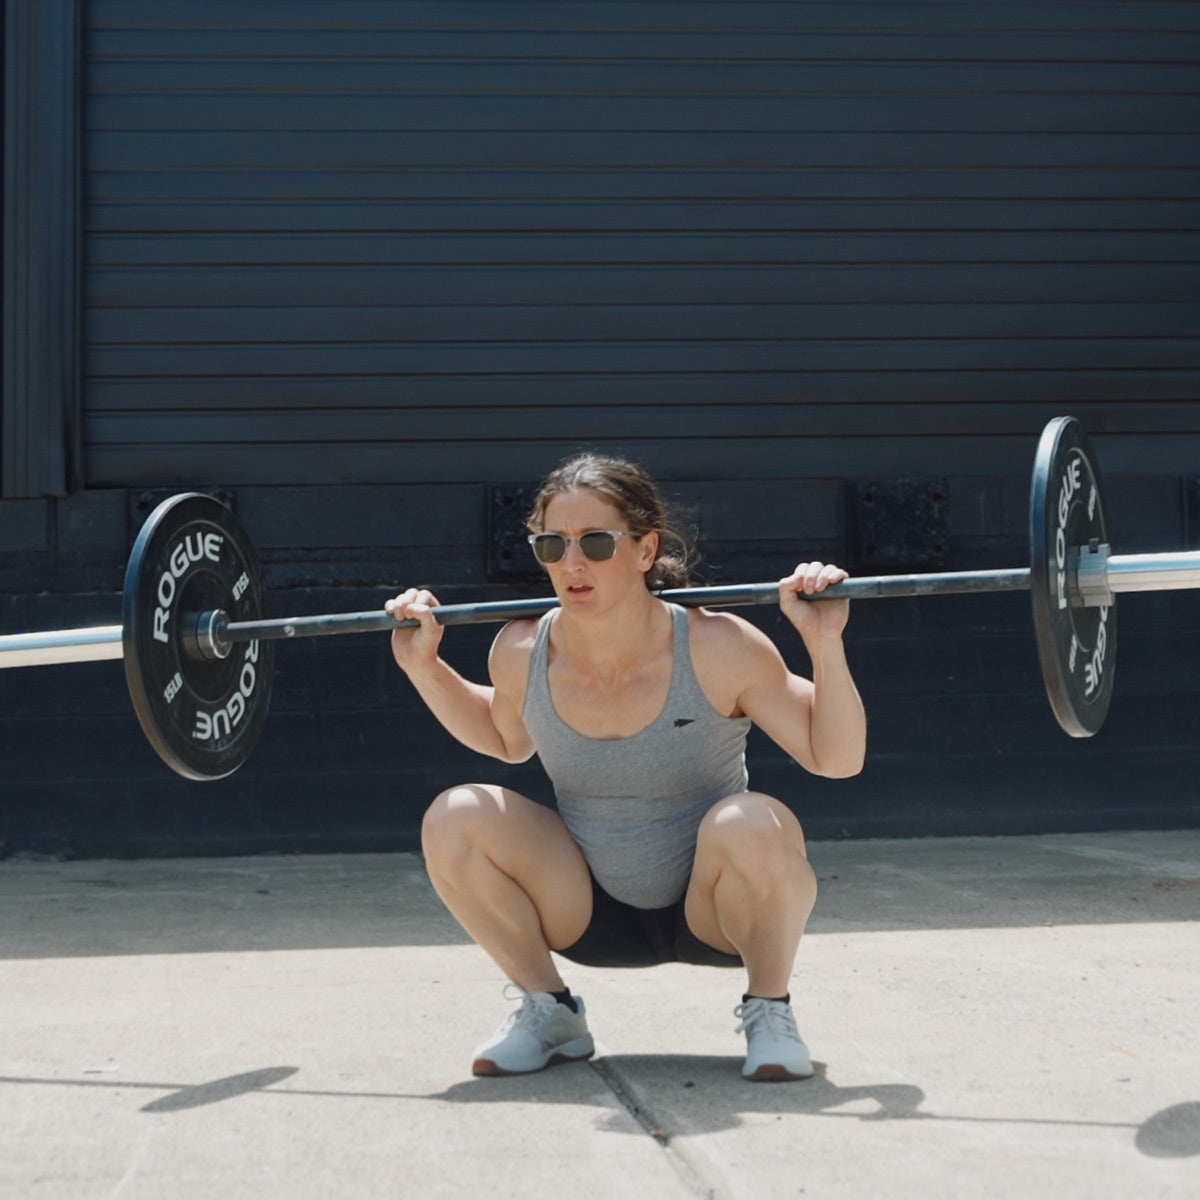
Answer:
(484, 719)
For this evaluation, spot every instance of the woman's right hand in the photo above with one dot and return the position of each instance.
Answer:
(418, 646)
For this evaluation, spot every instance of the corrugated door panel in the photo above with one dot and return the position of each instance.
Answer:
(374, 241)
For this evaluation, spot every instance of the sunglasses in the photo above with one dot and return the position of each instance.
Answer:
(597, 545)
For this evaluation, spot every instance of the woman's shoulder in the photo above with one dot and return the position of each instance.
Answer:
(512, 648)
(516, 640)
(721, 630)
(727, 646)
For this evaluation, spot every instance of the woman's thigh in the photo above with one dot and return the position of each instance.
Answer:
(525, 841)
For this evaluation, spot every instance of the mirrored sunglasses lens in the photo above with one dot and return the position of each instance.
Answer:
(549, 547)
(599, 545)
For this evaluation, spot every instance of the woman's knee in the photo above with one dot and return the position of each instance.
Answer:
(753, 832)
(458, 817)
(481, 818)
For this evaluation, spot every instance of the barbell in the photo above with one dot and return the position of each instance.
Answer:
(198, 648)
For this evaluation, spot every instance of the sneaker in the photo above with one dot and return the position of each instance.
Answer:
(774, 1051)
(539, 1034)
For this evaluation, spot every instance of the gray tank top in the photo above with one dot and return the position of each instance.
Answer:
(635, 804)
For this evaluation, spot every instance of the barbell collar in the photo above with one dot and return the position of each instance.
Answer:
(204, 636)
(1088, 568)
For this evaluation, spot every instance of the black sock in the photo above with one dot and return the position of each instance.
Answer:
(565, 997)
(786, 999)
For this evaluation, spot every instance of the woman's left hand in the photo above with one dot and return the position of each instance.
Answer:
(826, 619)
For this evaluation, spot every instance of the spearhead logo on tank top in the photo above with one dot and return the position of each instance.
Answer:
(682, 721)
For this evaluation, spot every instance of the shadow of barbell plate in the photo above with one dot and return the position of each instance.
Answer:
(1172, 1133)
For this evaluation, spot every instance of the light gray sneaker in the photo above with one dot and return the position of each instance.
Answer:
(774, 1051)
(539, 1034)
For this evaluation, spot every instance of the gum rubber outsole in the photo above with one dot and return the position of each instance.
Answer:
(485, 1066)
(773, 1073)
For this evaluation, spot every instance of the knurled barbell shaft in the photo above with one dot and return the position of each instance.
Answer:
(864, 588)
(1125, 573)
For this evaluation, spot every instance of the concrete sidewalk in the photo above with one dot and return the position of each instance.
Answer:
(1009, 1017)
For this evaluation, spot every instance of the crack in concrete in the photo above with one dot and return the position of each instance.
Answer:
(630, 1102)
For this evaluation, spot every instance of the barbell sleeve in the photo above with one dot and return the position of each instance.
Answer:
(94, 644)
(1173, 571)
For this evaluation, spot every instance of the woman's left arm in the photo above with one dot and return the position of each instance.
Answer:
(820, 722)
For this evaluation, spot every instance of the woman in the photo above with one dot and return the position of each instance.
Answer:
(639, 711)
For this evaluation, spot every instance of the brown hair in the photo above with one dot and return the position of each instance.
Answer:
(636, 497)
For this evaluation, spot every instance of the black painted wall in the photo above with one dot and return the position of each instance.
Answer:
(352, 265)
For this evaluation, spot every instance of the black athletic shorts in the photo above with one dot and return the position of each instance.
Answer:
(620, 935)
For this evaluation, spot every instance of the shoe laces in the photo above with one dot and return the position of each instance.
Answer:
(533, 1012)
(772, 1016)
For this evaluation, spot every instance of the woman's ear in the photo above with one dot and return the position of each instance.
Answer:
(648, 550)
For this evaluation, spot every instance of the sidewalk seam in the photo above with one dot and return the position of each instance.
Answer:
(627, 1097)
